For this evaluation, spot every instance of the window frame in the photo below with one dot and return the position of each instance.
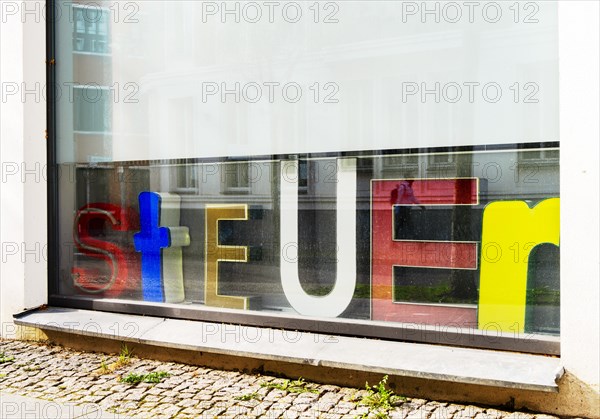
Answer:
(422, 333)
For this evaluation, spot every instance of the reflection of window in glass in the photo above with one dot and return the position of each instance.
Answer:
(92, 109)
(441, 159)
(235, 177)
(405, 166)
(90, 29)
(303, 174)
(399, 161)
(530, 162)
(186, 178)
(542, 154)
(442, 164)
(103, 24)
(100, 46)
(79, 21)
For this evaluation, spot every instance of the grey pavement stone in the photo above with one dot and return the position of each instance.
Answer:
(398, 414)
(14, 406)
(53, 376)
(519, 415)
(420, 413)
(495, 414)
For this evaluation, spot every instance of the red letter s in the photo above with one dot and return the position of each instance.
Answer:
(124, 263)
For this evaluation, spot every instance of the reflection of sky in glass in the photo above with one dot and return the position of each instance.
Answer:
(376, 76)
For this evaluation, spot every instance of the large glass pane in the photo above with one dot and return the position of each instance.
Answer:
(393, 162)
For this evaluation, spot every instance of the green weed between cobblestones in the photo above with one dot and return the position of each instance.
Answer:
(380, 399)
(104, 367)
(296, 386)
(2, 375)
(124, 356)
(152, 377)
(4, 359)
(124, 359)
(249, 396)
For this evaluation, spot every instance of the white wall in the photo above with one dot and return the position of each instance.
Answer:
(580, 251)
(23, 275)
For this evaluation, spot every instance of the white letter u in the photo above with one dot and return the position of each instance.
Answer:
(334, 303)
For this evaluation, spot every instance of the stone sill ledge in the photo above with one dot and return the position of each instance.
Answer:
(431, 362)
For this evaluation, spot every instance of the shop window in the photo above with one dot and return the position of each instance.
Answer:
(290, 164)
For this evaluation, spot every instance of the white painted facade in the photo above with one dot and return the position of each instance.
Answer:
(23, 152)
(579, 183)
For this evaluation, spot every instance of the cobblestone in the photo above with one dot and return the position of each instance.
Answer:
(59, 374)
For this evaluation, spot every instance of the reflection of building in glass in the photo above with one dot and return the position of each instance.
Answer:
(85, 85)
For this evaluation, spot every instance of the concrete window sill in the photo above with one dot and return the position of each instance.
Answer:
(432, 362)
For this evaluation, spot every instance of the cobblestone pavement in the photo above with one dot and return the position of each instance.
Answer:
(185, 391)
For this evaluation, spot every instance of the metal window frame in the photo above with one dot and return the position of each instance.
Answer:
(51, 161)
(533, 343)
